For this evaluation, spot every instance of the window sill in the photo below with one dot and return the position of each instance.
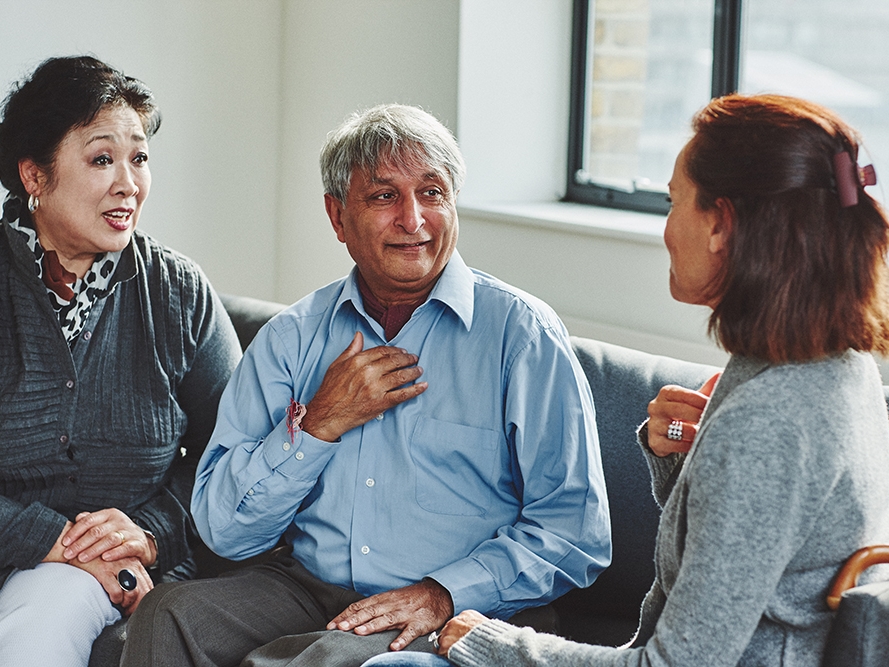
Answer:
(646, 228)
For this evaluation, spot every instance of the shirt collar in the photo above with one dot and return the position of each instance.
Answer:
(454, 289)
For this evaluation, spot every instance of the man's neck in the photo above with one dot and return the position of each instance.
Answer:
(392, 315)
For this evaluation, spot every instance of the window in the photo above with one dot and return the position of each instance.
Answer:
(641, 68)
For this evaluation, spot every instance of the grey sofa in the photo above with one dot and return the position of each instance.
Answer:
(623, 381)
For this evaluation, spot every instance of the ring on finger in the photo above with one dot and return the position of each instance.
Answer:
(674, 431)
(127, 580)
(121, 536)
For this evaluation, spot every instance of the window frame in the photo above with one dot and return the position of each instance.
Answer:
(727, 17)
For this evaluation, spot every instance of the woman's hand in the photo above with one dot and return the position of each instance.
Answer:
(457, 628)
(677, 404)
(106, 572)
(108, 533)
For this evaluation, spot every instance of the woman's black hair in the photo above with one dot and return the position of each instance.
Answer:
(63, 94)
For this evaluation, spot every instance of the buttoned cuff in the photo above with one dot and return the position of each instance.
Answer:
(471, 586)
(302, 458)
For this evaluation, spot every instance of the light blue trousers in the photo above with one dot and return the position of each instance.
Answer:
(407, 659)
(51, 615)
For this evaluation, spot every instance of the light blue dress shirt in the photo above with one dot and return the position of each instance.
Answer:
(490, 482)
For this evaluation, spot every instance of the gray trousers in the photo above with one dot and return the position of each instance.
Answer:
(268, 615)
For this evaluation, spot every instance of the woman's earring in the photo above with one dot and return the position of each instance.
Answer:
(33, 203)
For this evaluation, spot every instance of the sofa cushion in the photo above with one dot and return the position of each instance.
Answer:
(623, 381)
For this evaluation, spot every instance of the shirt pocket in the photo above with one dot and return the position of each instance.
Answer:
(455, 466)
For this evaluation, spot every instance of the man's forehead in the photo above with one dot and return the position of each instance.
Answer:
(403, 167)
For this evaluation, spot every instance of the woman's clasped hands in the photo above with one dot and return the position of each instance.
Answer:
(103, 543)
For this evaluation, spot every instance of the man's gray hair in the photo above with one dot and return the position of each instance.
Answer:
(389, 132)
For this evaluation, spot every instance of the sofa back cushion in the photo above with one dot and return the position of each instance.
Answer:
(623, 382)
(248, 315)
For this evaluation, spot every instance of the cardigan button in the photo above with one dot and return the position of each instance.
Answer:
(63, 438)
(70, 384)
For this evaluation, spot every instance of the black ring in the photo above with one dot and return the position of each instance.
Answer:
(127, 580)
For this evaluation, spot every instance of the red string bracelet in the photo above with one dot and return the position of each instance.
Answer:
(295, 413)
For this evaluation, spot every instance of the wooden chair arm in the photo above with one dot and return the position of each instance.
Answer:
(849, 573)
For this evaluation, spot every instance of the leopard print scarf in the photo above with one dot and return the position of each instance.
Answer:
(73, 312)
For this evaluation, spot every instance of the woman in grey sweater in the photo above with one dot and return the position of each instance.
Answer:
(772, 476)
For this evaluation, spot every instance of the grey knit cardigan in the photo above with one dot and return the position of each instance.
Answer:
(121, 419)
(789, 476)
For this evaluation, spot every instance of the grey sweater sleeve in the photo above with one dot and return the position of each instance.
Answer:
(664, 469)
(750, 462)
(496, 643)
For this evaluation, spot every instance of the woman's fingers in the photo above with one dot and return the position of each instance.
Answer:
(673, 417)
(109, 533)
(108, 574)
(707, 388)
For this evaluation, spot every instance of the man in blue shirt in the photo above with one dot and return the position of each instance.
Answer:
(419, 432)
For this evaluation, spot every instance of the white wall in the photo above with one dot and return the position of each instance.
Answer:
(250, 89)
(514, 68)
(513, 127)
(339, 56)
(214, 69)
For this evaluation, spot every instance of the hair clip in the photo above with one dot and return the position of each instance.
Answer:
(850, 177)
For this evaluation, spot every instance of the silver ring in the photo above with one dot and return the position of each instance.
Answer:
(127, 580)
(674, 432)
(433, 637)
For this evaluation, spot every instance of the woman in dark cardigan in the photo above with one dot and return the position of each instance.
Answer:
(113, 353)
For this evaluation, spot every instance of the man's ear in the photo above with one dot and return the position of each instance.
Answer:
(723, 223)
(33, 177)
(334, 208)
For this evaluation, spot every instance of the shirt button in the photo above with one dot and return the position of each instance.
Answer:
(365, 549)
(250, 492)
(286, 446)
(379, 417)
(70, 384)
(370, 481)
(87, 335)
(299, 456)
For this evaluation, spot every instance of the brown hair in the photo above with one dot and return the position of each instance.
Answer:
(803, 277)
